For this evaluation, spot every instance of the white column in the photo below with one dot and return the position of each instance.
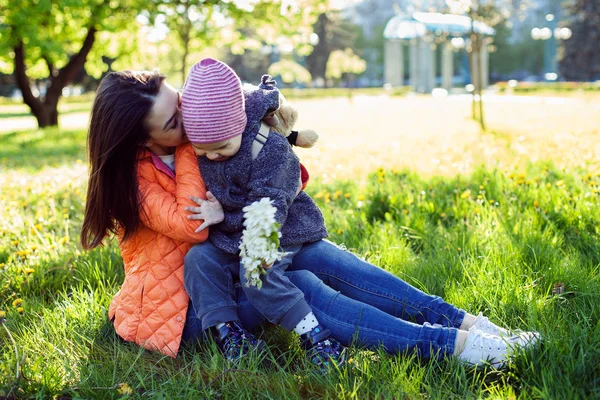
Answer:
(432, 67)
(475, 68)
(394, 63)
(426, 67)
(447, 65)
(485, 65)
(414, 64)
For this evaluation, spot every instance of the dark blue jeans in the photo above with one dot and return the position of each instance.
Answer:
(209, 278)
(357, 300)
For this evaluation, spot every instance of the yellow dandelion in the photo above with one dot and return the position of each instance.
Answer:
(481, 187)
(2, 265)
(347, 195)
(15, 242)
(22, 253)
(33, 247)
(29, 270)
(536, 204)
(20, 310)
(63, 240)
(380, 180)
(491, 201)
(361, 197)
(17, 302)
(405, 212)
(124, 388)
(367, 254)
(340, 231)
(2, 314)
(458, 249)
(319, 195)
(465, 194)
(443, 215)
(560, 183)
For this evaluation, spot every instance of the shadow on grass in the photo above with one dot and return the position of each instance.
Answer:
(35, 149)
(25, 113)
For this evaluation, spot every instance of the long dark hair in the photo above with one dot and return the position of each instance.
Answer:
(118, 131)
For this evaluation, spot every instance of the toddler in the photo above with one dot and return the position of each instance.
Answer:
(228, 126)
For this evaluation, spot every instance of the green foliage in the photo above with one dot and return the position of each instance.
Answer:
(525, 54)
(344, 62)
(52, 31)
(290, 72)
(319, 93)
(495, 241)
(581, 60)
(549, 87)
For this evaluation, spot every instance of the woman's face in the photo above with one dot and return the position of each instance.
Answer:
(164, 122)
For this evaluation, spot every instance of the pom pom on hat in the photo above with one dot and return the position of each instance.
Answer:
(212, 103)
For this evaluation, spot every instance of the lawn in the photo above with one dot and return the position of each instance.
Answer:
(505, 222)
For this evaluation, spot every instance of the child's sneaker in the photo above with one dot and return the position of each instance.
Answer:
(235, 342)
(482, 348)
(519, 337)
(322, 349)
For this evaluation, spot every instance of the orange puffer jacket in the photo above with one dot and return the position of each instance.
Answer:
(151, 307)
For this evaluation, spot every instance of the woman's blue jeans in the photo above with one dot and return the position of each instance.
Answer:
(360, 303)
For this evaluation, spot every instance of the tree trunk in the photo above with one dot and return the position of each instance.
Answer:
(316, 62)
(184, 62)
(184, 36)
(46, 112)
(480, 43)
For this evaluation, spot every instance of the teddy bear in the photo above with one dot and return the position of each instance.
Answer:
(283, 120)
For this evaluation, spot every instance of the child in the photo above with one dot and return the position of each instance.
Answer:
(223, 122)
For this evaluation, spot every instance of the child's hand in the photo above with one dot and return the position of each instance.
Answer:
(265, 266)
(210, 211)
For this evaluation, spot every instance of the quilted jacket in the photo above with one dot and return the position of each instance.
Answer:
(150, 308)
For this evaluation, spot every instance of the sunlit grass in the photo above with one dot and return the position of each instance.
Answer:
(502, 238)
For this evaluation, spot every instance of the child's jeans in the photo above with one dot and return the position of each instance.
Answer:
(357, 300)
(209, 278)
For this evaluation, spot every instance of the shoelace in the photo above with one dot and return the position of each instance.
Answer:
(487, 325)
(479, 342)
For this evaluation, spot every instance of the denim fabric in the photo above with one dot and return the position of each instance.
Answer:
(209, 277)
(361, 304)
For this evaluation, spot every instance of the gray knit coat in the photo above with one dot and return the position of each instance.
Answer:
(239, 181)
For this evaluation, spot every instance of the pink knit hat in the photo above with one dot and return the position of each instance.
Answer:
(212, 103)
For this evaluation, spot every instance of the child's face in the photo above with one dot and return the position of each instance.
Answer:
(219, 151)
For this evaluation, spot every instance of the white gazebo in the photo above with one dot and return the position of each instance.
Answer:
(423, 33)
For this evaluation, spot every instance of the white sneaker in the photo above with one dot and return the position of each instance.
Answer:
(482, 348)
(521, 338)
(485, 325)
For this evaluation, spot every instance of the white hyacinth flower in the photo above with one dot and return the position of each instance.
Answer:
(260, 240)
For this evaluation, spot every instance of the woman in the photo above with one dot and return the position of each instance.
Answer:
(136, 144)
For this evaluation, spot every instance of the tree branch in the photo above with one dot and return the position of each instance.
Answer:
(23, 80)
(76, 62)
(50, 65)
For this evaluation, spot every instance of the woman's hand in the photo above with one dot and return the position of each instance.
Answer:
(210, 210)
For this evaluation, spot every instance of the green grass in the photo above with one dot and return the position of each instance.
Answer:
(495, 241)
